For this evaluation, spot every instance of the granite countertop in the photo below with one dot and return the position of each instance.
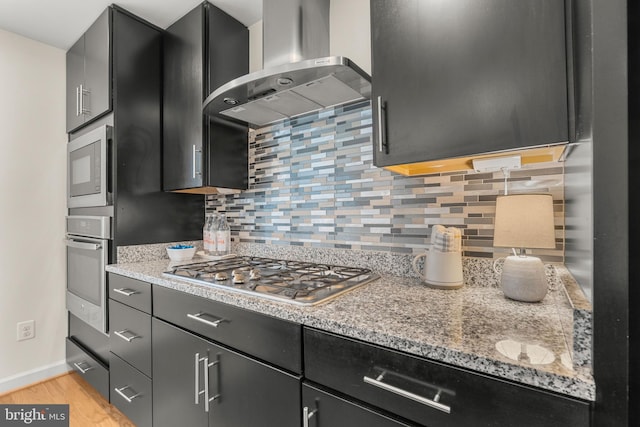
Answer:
(474, 327)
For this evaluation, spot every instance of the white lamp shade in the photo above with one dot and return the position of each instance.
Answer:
(524, 221)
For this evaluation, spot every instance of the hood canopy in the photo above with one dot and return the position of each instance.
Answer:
(296, 32)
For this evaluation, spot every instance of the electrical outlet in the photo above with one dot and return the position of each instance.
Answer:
(26, 330)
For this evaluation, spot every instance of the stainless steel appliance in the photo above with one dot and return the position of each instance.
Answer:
(88, 250)
(89, 169)
(298, 77)
(297, 282)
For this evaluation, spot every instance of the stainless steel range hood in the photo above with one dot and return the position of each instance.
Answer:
(298, 76)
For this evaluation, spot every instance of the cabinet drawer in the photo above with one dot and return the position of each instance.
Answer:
(132, 292)
(93, 371)
(323, 409)
(267, 338)
(428, 392)
(130, 336)
(131, 392)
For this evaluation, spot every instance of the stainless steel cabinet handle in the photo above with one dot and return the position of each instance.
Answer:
(83, 92)
(81, 245)
(380, 134)
(306, 416)
(193, 160)
(199, 318)
(85, 370)
(129, 399)
(77, 101)
(197, 390)
(432, 403)
(125, 291)
(122, 335)
(208, 399)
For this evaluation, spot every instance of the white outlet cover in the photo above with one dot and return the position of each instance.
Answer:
(26, 330)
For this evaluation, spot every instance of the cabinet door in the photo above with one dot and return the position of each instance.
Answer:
(326, 410)
(183, 120)
(174, 377)
(75, 77)
(250, 393)
(242, 391)
(96, 96)
(463, 77)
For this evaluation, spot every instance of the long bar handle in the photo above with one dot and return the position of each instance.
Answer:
(85, 370)
(129, 399)
(83, 91)
(193, 161)
(199, 318)
(122, 335)
(77, 101)
(197, 390)
(380, 118)
(125, 291)
(208, 399)
(432, 403)
(81, 245)
(306, 416)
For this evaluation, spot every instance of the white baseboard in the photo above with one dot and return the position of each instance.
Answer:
(33, 376)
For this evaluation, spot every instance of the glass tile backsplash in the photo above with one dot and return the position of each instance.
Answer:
(312, 182)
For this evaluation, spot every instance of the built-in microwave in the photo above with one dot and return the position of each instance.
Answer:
(89, 169)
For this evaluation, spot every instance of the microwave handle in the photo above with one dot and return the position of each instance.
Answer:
(81, 245)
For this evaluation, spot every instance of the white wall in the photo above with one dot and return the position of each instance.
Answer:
(350, 34)
(32, 207)
(351, 31)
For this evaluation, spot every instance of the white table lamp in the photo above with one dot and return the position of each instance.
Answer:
(524, 221)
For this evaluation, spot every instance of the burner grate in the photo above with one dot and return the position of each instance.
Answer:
(294, 281)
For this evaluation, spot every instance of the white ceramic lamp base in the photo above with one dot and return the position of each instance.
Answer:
(523, 278)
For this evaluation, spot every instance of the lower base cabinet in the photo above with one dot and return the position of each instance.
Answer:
(322, 409)
(199, 383)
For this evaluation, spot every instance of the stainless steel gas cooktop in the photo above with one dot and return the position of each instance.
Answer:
(297, 282)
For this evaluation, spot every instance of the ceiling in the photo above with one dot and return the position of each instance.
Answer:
(60, 23)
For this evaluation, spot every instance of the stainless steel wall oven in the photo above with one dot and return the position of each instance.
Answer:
(89, 248)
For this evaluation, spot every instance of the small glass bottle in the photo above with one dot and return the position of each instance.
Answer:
(206, 233)
(223, 237)
(213, 231)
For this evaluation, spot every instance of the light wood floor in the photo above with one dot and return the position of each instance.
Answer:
(86, 406)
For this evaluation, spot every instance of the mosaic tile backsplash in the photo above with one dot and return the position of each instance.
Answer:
(312, 183)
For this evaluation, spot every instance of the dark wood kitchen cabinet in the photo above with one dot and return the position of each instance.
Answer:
(464, 77)
(89, 74)
(198, 383)
(323, 409)
(203, 50)
(223, 366)
(427, 392)
(130, 374)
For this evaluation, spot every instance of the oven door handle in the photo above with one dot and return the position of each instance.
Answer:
(82, 245)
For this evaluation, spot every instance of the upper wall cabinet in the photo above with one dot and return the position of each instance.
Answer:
(203, 50)
(462, 77)
(88, 74)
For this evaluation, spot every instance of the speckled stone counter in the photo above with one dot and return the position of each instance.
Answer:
(474, 327)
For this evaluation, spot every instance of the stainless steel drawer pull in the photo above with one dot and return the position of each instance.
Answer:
(81, 369)
(432, 403)
(82, 245)
(122, 335)
(306, 416)
(129, 399)
(124, 291)
(199, 318)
